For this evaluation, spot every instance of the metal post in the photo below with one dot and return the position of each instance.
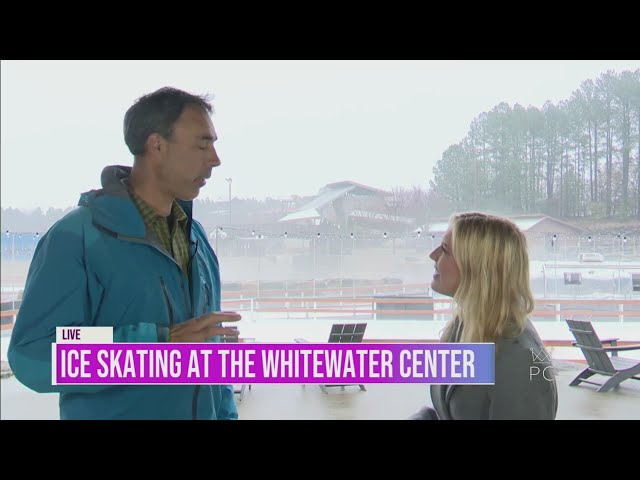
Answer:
(286, 295)
(353, 282)
(13, 259)
(314, 267)
(303, 305)
(373, 306)
(259, 258)
(619, 267)
(229, 180)
(341, 265)
(555, 259)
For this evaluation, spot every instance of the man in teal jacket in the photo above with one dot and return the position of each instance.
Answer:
(132, 257)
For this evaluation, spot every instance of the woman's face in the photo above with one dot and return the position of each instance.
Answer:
(447, 276)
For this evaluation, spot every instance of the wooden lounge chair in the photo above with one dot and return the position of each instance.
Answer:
(599, 362)
(343, 333)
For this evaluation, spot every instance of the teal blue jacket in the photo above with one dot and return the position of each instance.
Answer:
(98, 266)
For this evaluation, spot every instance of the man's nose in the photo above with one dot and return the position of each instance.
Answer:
(214, 159)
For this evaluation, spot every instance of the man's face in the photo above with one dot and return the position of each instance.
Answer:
(446, 278)
(189, 155)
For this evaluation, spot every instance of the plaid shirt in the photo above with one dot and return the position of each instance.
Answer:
(175, 243)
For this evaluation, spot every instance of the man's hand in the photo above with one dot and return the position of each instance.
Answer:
(199, 329)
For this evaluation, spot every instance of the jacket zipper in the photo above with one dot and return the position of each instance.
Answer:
(194, 405)
(196, 390)
(146, 242)
(184, 295)
(166, 298)
(206, 299)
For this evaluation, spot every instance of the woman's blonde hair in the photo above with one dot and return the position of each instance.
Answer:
(494, 296)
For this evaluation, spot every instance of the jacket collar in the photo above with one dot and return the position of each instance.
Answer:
(111, 206)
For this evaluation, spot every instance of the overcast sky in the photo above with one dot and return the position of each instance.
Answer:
(284, 127)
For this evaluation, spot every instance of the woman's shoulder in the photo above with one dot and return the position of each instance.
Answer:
(522, 347)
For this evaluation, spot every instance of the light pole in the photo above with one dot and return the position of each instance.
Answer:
(229, 180)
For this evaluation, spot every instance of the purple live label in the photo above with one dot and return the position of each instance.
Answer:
(216, 363)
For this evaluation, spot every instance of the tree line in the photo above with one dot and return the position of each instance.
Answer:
(579, 158)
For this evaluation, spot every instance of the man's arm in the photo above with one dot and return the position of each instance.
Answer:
(56, 294)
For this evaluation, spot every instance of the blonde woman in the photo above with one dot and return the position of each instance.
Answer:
(483, 264)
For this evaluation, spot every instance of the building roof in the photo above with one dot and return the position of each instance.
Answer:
(307, 214)
(310, 209)
(349, 183)
(525, 224)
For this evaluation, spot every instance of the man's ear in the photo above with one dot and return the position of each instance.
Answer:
(155, 143)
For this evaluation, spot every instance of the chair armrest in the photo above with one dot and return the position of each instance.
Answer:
(612, 341)
(622, 348)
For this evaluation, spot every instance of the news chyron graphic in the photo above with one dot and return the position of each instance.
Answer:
(88, 356)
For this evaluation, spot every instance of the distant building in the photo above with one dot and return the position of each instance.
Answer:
(347, 205)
